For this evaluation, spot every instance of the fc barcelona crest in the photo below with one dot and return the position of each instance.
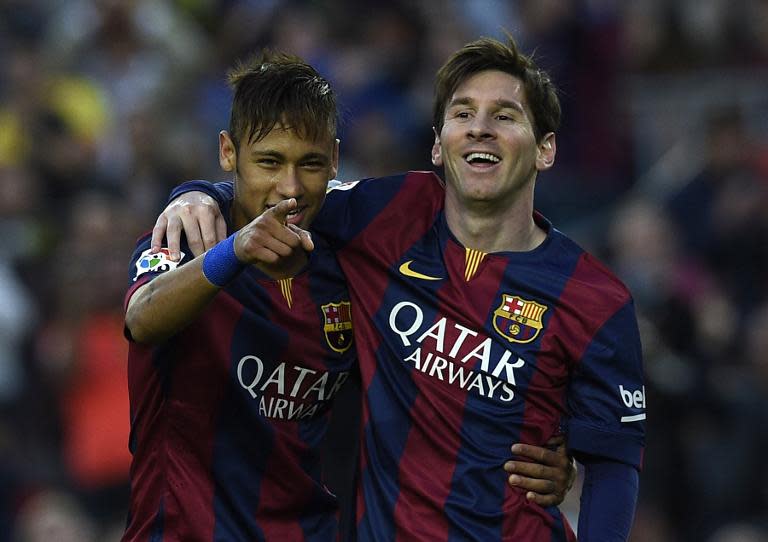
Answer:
(518, 320)
(338, 325)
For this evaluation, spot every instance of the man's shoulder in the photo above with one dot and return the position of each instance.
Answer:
(397, 179)
(595, 274)
(411, 192)
(378, 207)
(425, 176)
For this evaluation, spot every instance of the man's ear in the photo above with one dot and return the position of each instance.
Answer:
(335, 160)
(437, 154)
(545, 153)
(227, 152)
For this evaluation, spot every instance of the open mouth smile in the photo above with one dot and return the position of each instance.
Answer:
(482, 159)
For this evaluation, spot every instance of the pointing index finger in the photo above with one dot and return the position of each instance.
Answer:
(281, 210)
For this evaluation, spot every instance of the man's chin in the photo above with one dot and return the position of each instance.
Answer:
(305, 219)
(287, 267)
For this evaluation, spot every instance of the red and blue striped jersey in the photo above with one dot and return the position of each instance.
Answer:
(227, 417)
(463, 353)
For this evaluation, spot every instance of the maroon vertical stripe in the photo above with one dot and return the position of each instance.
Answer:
(147, 485)
(190, 476)
(284, 481)
(590, 297)
(438, 411)
(368, 283)
(172, 467)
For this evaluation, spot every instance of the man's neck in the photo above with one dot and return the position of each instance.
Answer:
(490, 228)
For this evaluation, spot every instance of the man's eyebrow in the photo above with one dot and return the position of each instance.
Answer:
(268, 153)
(510, 104)
(461, 100)
(315, 156)
(501, 102)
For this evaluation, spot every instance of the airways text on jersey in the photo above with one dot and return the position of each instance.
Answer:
(288, 391)
(454, 353)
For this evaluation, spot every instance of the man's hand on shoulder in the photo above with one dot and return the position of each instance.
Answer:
(197, 215)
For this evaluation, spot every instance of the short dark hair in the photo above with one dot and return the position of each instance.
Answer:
(274, 88)
(491, 54)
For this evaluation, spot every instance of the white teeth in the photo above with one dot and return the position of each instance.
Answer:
(290, 214)
(482, 156)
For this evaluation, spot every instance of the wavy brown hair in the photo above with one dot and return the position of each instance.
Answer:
(490, 54)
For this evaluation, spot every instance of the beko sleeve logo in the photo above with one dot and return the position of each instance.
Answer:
(633, 399)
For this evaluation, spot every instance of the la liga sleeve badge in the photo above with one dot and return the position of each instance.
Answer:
(159, 262)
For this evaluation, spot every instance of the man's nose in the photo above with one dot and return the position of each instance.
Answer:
(289, 185)
(481, 127)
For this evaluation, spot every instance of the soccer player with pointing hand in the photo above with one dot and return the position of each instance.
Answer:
(478, 323)
(236, 354)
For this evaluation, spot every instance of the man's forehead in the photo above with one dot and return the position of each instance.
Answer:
(490, 85)
(289, 135)
(289, 143)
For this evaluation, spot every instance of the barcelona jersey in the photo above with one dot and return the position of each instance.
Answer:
(227, 416)
(463, 353)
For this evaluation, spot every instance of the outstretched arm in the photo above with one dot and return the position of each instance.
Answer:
(171, 301)
(547, 473)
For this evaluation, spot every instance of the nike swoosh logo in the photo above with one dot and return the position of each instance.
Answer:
(406, 270)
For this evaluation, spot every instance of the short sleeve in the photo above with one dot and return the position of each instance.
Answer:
(145, 266)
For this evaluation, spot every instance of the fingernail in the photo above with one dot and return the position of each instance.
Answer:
(514, 478)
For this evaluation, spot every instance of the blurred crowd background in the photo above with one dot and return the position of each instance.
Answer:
(662, 170)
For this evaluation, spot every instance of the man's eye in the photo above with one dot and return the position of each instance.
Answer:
(313, 165)
(267, 162)
(462, 115)
(503, 117)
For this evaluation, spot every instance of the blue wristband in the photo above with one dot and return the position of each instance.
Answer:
(220, 264)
